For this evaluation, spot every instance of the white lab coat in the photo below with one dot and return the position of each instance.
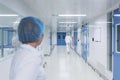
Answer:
(68, 41)
(27, 64)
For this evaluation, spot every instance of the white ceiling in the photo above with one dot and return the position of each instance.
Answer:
(6, 21)
(45, 9)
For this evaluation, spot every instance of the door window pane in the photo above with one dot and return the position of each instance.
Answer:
(63, 36)
(58, 36)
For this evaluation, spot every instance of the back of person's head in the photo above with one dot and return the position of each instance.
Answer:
(30, 29)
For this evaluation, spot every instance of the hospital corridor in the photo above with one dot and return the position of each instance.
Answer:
(60, 66)
(59, 39)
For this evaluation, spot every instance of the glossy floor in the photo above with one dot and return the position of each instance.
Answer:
(63, 66)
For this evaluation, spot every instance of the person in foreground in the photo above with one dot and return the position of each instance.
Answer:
(27, 61)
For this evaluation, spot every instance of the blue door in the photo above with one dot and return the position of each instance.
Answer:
(75, 41)
(61, 38)
(84, 42)
(116, 53)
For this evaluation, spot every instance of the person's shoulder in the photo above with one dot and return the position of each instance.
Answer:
(25, 54)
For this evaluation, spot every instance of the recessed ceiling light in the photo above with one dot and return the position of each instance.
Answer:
(67, 22)
(72, 15)
(9, 15)
(103, 22)
(16, 22)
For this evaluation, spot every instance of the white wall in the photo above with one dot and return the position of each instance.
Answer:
(98, 50)
(45, 45)
(79, 41)
(72, 35)
(54, 30)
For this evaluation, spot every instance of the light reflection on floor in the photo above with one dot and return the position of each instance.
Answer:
(63, 66)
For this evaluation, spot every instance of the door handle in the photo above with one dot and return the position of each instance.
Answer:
(117, 40)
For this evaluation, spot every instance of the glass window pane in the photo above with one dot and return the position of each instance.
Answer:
(5, 35)
(63, 36)
(0, 36)
(58, 36)
(118, 38)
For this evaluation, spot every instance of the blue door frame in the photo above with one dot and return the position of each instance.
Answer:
(116, 53)
(61, 38)
(84, 42)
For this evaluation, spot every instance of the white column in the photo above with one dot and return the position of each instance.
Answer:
(54, 30)
(79, 40)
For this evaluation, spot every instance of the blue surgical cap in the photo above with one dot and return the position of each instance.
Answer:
(30, 29)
